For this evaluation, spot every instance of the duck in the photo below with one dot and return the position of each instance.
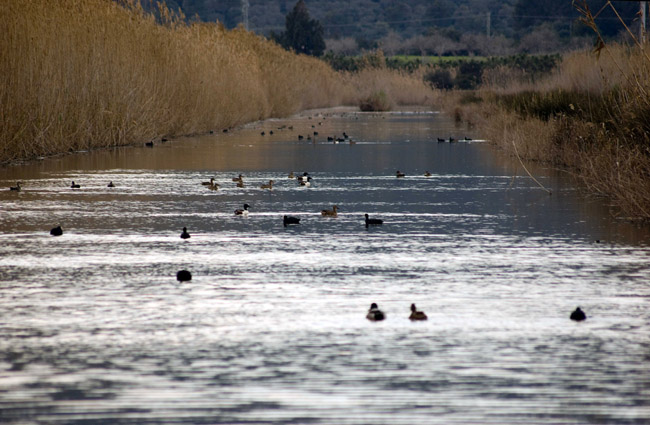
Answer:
(291, 175)
(303, 177)
(210, 183)
(238, 178)
(451, 139)
(427, 174)
(214, 186)
(267, 186)
(74, 186)
(240, 183)
(330, 213)
(578, 315)
(56, 231)
(290, 220)
(306, 182)
(417, 315)
(149, 144)
(374, 313)
(441, 140)
(183, 276)
(262, 133)
(185, 235)
(242, 211)
(400, 174)
(15, 188)
(373, 221)
(468, 139)
(110, 184)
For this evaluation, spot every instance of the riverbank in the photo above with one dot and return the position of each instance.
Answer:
(89, 74)
(589, 118)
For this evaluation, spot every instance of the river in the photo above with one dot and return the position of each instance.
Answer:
(96, 329)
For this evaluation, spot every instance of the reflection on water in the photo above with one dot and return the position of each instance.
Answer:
(94, 327)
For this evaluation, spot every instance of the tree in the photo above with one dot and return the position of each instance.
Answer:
(302, 34)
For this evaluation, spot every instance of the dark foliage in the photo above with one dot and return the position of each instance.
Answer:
(302, 34)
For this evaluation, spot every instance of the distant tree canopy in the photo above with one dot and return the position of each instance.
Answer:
(302, 34)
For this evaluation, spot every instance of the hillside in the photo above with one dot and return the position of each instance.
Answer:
(370, 20)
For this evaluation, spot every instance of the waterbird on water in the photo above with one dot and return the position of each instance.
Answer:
(268, 186)
(238, 178)
(183, 276)
(417, 315)
(57, 231)
(185, 235)
(287, 220)
(578, 315)
(330, 213)
(306, 182)
(15, 188)
(242, 211)
(374, 313)
(110, 184)
(427, 174)
(400, 174)
(373, 221)
(74, 186)
(210, 183)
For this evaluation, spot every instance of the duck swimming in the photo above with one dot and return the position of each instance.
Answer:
(330, 213)
(57, 231)
(374, 313)
(287, 220)
(110, 184)
(400, 174)
(578, 315)
(238, 178)
(15, 188)
(183, 276)
(417, 315)
(373, 221)
(74, 186)
(210, 183)
(243, 211)
(185, 235)
(306, 182)
(268, 186)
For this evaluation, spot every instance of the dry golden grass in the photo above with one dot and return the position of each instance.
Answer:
(592, 116)
(83, 74)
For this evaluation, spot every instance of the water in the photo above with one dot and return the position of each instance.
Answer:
(95, 329)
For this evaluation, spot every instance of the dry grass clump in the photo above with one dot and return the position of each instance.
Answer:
(592, 116)
(398, 88)
(82, 74)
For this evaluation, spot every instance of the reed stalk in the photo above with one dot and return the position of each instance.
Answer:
(85, 74)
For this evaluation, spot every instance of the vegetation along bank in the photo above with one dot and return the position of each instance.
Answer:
(85, 74)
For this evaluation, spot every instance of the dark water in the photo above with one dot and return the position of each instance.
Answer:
(94, 327)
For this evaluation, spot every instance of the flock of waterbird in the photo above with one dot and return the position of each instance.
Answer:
(374, 313)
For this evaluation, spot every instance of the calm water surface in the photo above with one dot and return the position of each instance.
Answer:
(95, 329)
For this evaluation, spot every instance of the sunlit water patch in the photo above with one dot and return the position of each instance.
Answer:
(271, 329)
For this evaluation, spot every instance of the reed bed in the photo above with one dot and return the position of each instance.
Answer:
(591, 117)
(85, 74)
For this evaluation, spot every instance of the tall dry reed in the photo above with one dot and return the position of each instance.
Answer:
(592, 116)
(81, 74)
